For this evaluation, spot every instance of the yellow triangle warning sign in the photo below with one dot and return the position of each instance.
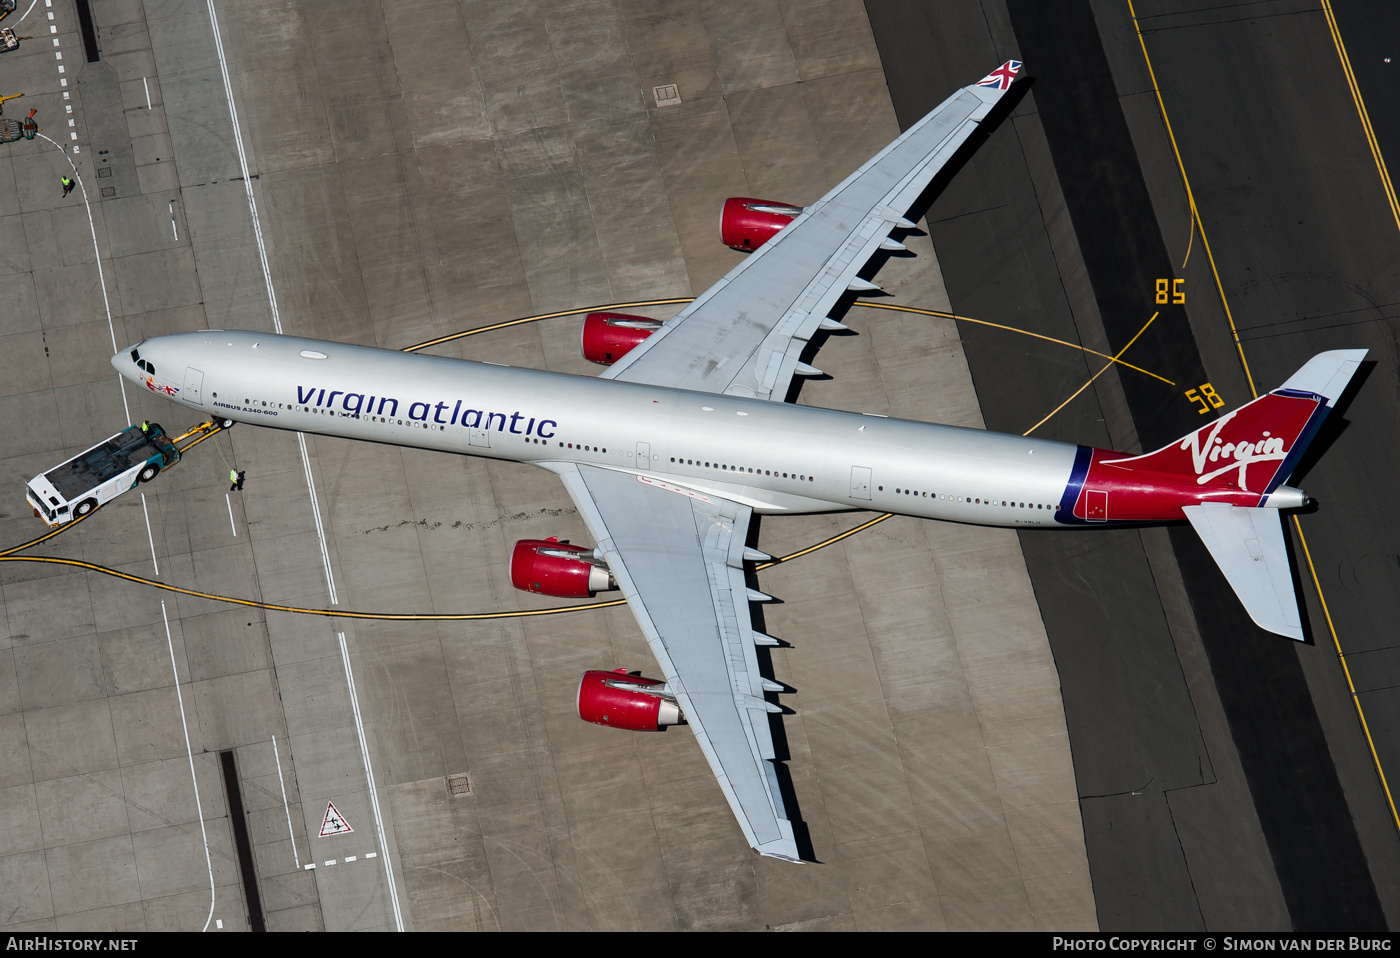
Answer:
(334, 823)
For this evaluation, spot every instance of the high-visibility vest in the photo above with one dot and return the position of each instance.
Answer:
(232, 476)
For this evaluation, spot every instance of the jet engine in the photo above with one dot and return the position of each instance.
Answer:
(551, 567)
(746, 223)
(607, 337)
(618, 700)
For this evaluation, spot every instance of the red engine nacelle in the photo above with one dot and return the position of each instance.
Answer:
(547, 567)
(619, 700)
(607, 337)
(746, 224)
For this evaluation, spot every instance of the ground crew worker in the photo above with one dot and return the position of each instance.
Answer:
(236, 478)
(67, 185)
(145, 426)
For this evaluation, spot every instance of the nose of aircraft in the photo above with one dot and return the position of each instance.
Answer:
(125, 365)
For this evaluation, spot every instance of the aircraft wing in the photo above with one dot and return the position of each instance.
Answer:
(678, 557)
(745, 335)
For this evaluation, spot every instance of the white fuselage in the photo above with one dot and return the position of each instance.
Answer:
(774, 457)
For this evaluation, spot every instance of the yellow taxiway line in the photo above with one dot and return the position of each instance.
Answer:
(1196, 214)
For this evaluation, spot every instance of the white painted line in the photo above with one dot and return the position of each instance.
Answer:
(315, 512)
(47, 3)
(173, 231)
(101, 279)
(267, 280)
(369, 776)
(218, 923)
(309, 866)
(148, 92)
(349, 858)
(285, 807)
(170, 644)
(331, 862)
(229, 503)
(371, 854)
(149, 538)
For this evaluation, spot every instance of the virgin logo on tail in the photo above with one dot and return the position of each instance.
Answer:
(1267, 449)
(1263, 431)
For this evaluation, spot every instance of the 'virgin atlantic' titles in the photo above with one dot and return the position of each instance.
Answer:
(356, 404)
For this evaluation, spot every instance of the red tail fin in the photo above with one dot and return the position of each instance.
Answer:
(1251, 448)
(1269, 434)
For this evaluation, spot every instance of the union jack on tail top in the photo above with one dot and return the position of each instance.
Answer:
(1001, 77)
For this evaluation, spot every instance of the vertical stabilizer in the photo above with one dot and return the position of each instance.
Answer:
(1256, 447)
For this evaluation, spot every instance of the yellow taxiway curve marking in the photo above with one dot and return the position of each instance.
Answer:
(860, 303)
(10, 556)
(1107, 366)
(1024, 332)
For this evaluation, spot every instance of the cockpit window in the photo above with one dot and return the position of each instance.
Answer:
(135, 356)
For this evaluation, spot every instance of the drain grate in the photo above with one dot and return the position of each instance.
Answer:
(459, 785)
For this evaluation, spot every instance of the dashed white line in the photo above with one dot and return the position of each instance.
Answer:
(229, 502)
(311, 866)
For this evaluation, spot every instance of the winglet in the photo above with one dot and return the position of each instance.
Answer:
(1002, 77)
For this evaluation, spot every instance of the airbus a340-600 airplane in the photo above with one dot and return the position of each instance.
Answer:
(669, 452)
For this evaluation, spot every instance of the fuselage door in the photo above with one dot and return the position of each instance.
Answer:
(860, 482)
(643, 455)
(194, 385)
(1095, 506)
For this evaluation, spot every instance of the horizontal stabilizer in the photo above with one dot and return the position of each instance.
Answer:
(1247, 545)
